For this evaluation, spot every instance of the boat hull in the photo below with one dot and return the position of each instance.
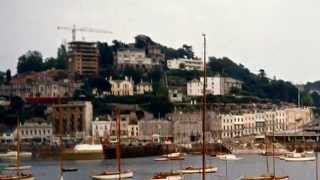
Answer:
(298, 159)
(173, 177)
(198, 170)
(123, 175)
(86, 155)
(16, 178)
(128, 151)
(265, 178)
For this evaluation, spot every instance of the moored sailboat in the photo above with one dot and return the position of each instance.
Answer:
(118, 174)
(273, 175)
(18, 169)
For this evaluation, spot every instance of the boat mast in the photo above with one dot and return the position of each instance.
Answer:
(61, 145)
(273, 158)
(204, 109)
(18, 162)
(266, 148)
(119, 141)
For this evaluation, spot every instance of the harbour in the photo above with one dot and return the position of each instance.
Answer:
(145, 167)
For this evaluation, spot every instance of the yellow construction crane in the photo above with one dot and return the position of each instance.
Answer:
(74, 29)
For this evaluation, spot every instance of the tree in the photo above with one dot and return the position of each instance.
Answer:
(106, 55)
(8, 76)
(62, 58)
(30, 61)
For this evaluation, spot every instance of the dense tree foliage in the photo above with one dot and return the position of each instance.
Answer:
(30, 61)
(254, 85)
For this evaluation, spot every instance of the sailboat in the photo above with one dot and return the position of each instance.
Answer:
(267, 176)
(18, 168)
(204, 169)
(299, 156)
(118, 174)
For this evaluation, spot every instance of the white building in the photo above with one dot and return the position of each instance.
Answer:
(101, 128)
(258, 123)
(35, 131)
(135, 58)
(122, 87)
(185, 64)
(216, 85)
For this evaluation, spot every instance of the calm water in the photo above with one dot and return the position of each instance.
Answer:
(144, 168)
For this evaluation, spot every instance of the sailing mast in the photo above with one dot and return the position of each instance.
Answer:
(61, 144)
(18, 162)
(119, 141)
(204, 109)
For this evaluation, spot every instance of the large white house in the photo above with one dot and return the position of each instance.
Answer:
(135, 58)
(185, 64)
(122, 87)
(216, 85)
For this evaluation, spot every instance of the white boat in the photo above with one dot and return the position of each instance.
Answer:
(264, 177)
(193, 170)
(22, 177)
(15, 168)
(161, 159)
(174, 155)
(88, 148)
(167, 176)
(294, 156)
(113, 175)
(229, 157)
(13, 154)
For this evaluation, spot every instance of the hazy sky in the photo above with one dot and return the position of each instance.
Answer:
(280, 36)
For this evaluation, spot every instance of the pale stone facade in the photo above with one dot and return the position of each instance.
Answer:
(185, 64)
(135, 58)
(215, 85)
(122, 87)
(34, 131)
(258, 122)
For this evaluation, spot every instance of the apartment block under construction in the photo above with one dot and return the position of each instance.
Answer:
(83, 58)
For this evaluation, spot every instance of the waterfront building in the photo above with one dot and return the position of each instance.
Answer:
(258, 122)
(216, 85)
(101, 128)
(133, 130)
(187, 127)
(83, 58)
(155, 130)
(6, 134)
(122, 87)
(135, 58)
(185, 64)
(74, 118)
(40, 132)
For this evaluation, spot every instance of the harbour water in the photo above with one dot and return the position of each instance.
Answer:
(145, 168)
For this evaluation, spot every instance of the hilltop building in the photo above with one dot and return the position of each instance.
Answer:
(49, 84)
(127, 87)
(135, 58)
(83, 58)
(216, 85)
(185, 64)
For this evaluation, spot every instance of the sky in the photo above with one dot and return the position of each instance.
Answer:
(280, 36)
